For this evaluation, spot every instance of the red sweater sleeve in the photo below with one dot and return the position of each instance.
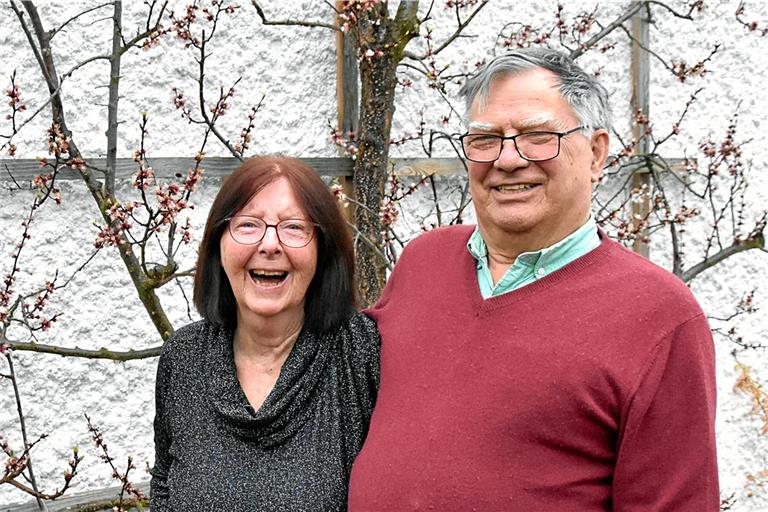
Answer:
(667, 455)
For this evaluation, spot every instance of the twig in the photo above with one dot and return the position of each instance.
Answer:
(459, 29)
(688, 16)
(126, 487)
(127, 45)
(617, 23)
(296, 23)
(23, 427)
(73, 18)
(210, 122)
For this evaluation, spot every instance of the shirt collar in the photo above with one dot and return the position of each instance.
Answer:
(543, 257)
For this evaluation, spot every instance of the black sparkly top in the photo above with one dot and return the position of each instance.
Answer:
(213, 452)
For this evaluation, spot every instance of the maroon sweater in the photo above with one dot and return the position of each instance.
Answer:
(591, 389)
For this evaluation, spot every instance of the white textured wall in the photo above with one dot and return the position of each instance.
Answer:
(296, 69)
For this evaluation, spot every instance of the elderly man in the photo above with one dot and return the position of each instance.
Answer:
(530, 363)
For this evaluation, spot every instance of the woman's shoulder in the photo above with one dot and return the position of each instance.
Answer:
(359, 334)
(189, 339)
(363, 323)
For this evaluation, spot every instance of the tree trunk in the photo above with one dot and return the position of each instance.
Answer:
(380, 43)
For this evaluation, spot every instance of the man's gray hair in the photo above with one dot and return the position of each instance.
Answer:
(581, 90)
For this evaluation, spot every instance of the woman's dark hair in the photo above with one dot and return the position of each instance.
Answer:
(330, 297)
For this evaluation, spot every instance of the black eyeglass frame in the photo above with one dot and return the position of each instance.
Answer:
(513, 138)
(266, 227)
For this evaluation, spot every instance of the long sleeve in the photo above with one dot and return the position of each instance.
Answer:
(159, 495)
(667, 456)
(368, 352)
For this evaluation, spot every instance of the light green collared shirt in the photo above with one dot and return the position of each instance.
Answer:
(530, 266)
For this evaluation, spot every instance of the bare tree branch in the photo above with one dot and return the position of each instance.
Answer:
(55, 31)
(459, 29)
(211, 122)
(296, 23)
(754, 242)
(23, 427)
(149, 31)
(617, 23)
(102, 353)
(692, 6)
(114, 84)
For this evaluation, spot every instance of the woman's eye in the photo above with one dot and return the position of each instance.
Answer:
(294, 226)
(246, 225)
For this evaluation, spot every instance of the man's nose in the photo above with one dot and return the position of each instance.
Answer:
(510, 158)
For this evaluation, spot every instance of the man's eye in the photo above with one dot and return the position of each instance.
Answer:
(538, 137)
(483, 141)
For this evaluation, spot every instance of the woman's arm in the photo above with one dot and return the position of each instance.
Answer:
(159, 495)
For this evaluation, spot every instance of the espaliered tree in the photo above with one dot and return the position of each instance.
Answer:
(66, 153)
(379, 42)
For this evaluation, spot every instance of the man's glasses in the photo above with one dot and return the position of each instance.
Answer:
(249, 230)
(531, 146)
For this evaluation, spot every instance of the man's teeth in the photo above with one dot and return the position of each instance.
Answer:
(514, 188)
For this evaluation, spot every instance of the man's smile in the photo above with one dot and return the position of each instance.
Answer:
(521, 187)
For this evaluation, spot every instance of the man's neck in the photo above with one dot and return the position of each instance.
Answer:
(504, 247)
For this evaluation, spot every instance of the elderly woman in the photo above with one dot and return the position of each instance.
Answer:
(264, 404)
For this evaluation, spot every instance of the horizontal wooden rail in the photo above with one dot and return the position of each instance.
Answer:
(97, 499)
(26, 169)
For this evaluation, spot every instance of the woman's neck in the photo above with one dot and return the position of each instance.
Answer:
(266, 339)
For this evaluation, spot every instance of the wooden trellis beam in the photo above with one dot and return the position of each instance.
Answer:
(23, 170)
(641, 179)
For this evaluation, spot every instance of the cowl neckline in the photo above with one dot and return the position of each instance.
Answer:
(287, 406)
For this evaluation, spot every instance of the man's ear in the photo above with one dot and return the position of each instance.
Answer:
(599, 144)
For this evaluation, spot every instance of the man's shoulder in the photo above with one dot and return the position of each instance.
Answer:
(642, 278)
(634, 264)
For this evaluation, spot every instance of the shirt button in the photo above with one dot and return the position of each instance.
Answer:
(541, 271)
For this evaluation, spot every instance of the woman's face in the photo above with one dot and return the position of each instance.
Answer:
(268, 279)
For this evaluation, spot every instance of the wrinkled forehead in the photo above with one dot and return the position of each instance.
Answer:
(534, 86)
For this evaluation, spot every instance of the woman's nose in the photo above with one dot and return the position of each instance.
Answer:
(270, 242)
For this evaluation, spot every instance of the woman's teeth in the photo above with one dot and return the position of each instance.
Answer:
(268, 278)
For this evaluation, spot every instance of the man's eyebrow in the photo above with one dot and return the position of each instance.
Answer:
(541, 120)
(545, 121)
(477, 125)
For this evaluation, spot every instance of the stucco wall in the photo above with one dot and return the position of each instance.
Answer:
(295, 68)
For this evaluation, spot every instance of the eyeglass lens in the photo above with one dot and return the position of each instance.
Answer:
(531, 146)
(290, 232)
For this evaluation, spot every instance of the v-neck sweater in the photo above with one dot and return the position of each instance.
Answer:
(214, 452)
(591, 389)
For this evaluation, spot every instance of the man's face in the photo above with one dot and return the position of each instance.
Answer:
(537, 203)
